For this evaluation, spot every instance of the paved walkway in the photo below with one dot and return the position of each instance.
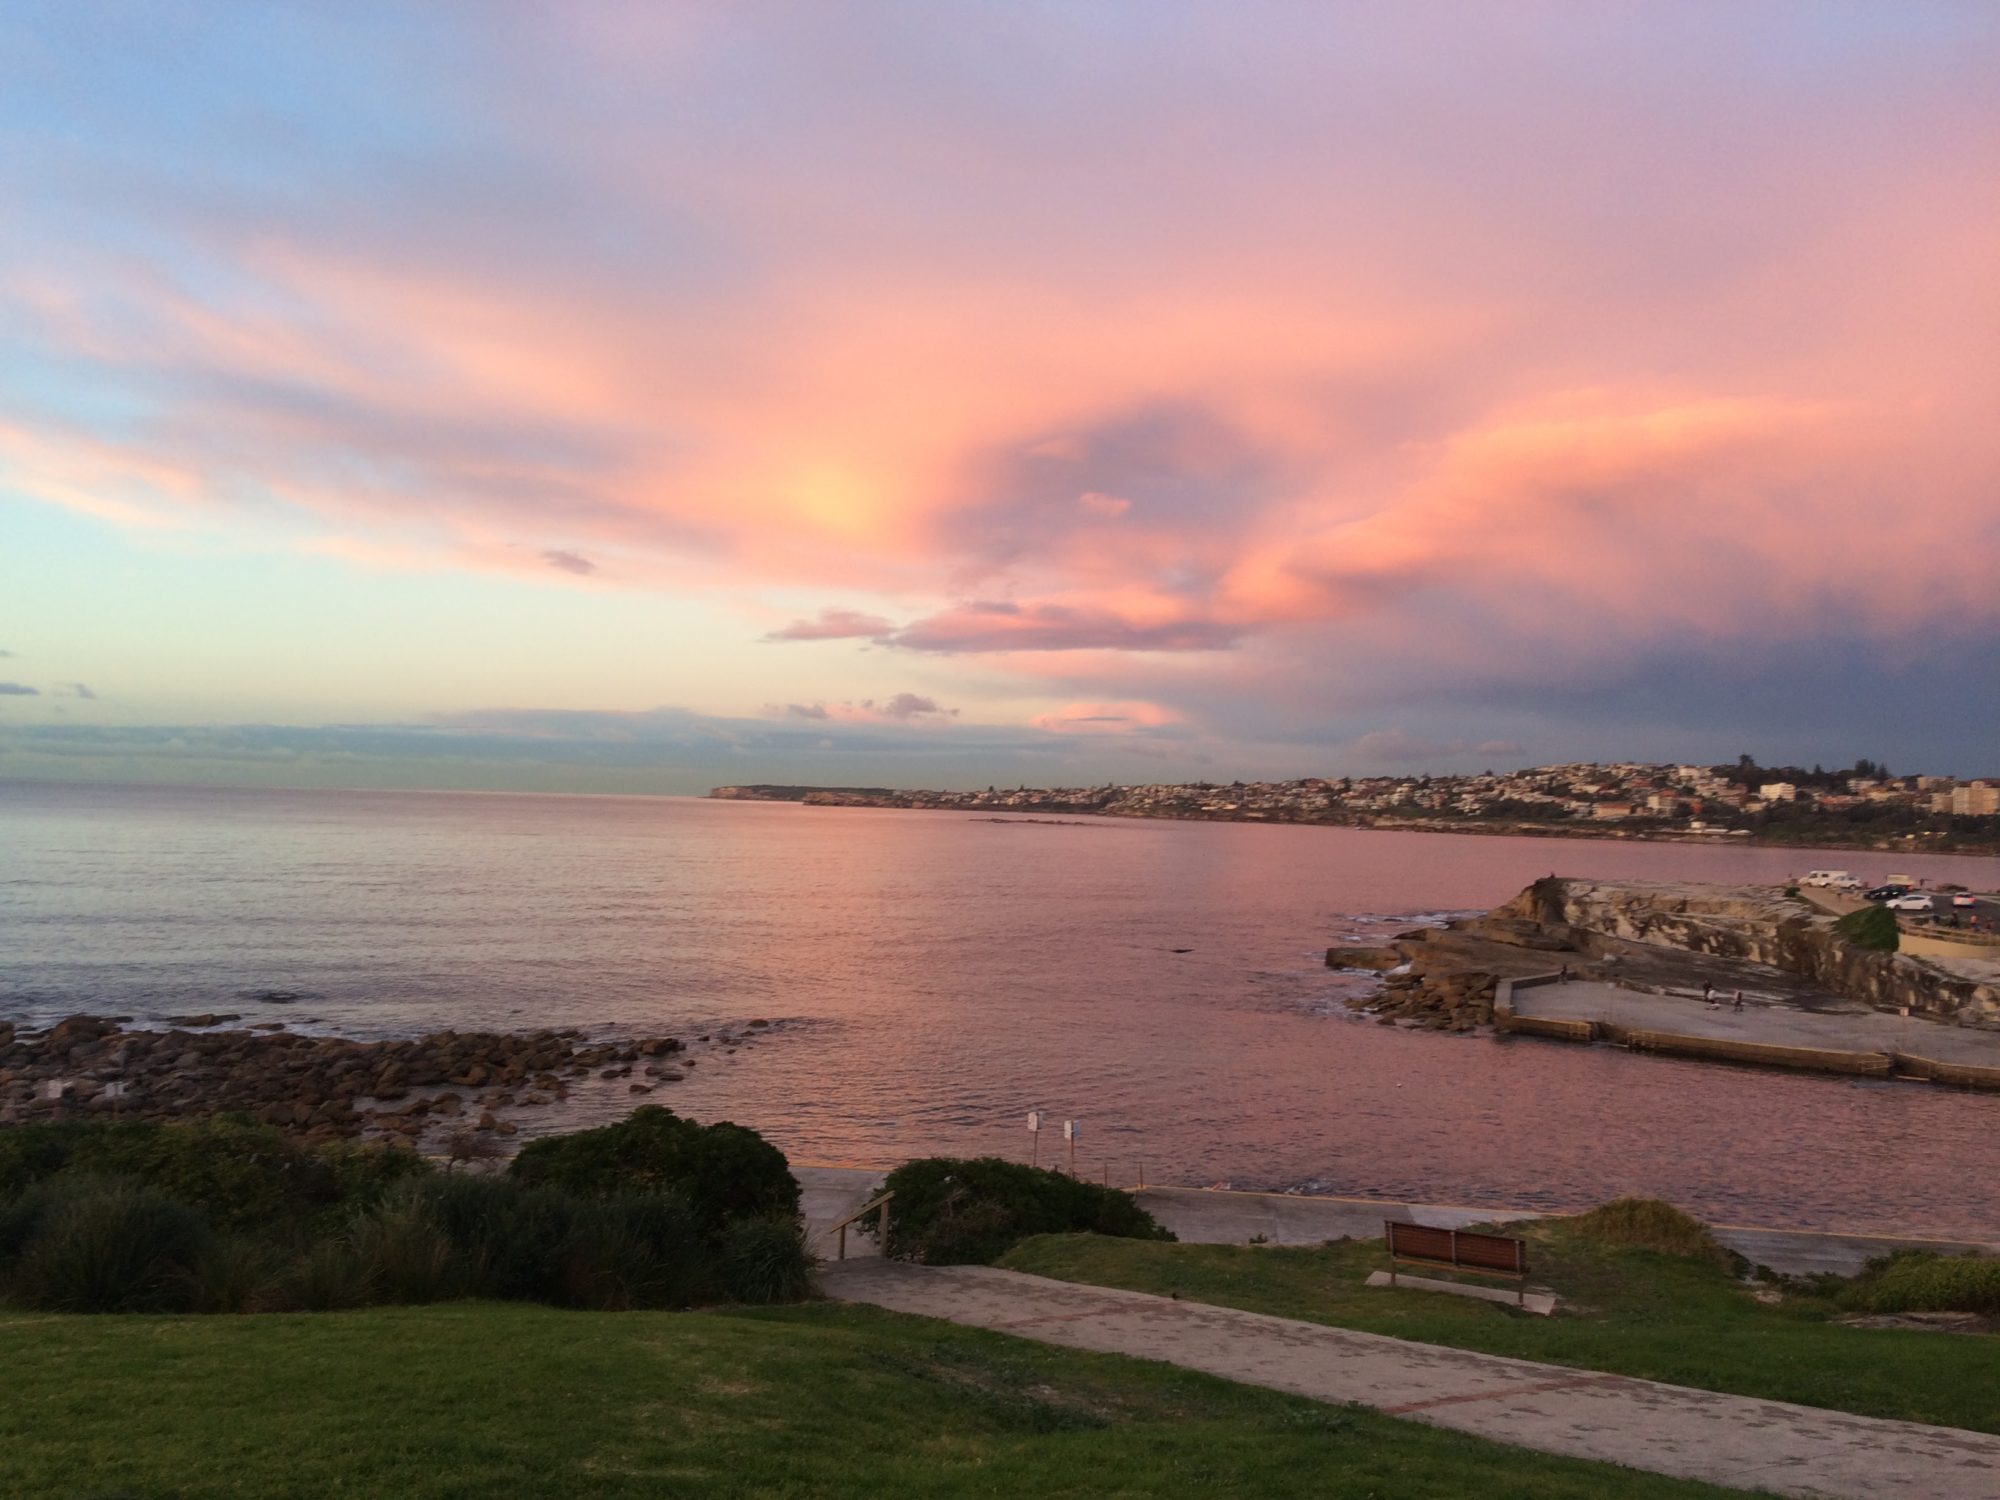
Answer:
(1727, 1440)
(1839, 1024)
(1207, 1216)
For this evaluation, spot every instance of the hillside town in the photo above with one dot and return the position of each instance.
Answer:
(1861, 806)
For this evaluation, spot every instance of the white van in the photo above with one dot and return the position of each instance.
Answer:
(1838, 880)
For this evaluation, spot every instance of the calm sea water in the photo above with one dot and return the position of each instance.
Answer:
(936, 976)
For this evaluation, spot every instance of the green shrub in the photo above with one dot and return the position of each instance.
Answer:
(239, 1174)
(766, 1260)
(1924, 1281)
(509, 1238)
(953, 1211)
(654, 1212)
(328, 1277)
(30, 1154)
(19, 1217)
(1648, 1224)
(724, 1172)
(1871, 927)
(98, 1246)
(644, 1251)
(236, 1274)
(404, 1252)
(361, 1173)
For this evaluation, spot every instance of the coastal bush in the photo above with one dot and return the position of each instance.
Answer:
(106, 1246)
(361, 1172)
(404, 1253)
(228, 1216)
(236, 1274)
(724, 1172)
(510, 1238)
(238, 1173)
(766, 1260)
(1648, 1224)
(327, 1276)
(1870, 927)
(1924, 1281)
(971, 1211)
(30, 1154)
(641, 1251)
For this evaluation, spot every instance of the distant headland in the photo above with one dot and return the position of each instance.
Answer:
(1862, 807)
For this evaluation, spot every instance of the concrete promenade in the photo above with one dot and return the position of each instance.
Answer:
(1728, 1440)
(1206, 1216)
(1834, 1024)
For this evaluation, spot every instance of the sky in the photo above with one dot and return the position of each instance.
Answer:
(637, 397)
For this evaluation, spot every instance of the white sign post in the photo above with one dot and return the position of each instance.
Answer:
(1071, 1130)
(1035, 1135)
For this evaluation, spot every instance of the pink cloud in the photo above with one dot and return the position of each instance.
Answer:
(834, 625)
(1106, 718)
(1151, 381)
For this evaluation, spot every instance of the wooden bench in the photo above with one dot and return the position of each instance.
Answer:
(1458, 1250)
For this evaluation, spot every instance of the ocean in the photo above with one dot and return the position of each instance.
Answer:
(931, 977)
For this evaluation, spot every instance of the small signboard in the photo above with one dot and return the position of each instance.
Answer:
(1072, 1130)
(1035, 1120)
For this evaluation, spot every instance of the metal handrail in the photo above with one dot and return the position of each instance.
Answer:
(869, 1207)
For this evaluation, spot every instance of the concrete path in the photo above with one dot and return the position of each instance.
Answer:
(1838, 1024)
(1209, 1216)
(1727, 1440)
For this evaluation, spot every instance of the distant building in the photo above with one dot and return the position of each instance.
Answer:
(1777, 791)
(1980, 799)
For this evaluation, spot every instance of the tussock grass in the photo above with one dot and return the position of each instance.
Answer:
(1647, 1224)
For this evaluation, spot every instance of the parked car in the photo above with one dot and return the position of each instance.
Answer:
(1917, 902)
(1965, 898)
(1888, 892)
(1844, 883)
(1830, 878)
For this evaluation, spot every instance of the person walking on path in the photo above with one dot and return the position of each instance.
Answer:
(1708, 994)
(1739, 1001)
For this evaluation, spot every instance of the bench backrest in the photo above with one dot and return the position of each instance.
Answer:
(1464, 1249)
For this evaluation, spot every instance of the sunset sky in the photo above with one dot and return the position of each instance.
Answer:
(639, 396)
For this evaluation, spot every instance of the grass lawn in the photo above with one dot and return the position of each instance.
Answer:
(486, 1401)
(1633, 1312)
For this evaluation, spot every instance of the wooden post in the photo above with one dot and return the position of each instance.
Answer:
(843, 1244)
(882, 1230)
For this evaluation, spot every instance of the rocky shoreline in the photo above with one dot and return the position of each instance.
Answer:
(412, 1091)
